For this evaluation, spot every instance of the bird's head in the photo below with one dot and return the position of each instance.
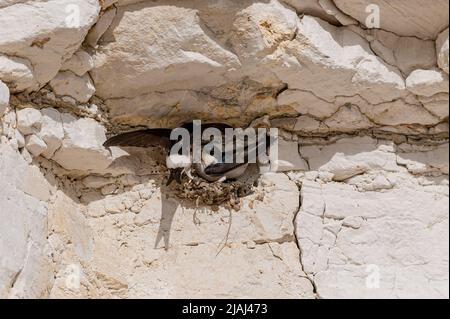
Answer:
(178, 161)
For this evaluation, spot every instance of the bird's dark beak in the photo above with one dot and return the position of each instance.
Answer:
(174, 175)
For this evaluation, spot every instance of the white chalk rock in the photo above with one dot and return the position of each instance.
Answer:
(288, 158)
(140, 59)
(17, 72)
(305, 102)
(67, 83)
(71, 225)
(398, 112)
(423, 162)
(4, 97)
(330, 8)
(80, 63)
(82, 147)
(387, 250)
(330, 61)
(100, 27)
(414, 18)
(407, 53)
(427, 82)
(35, 145)
(45, 33)
(26, 268)
(19, 138)
(436, 104)
(442, 50)
(52, 132)
(259, 28)
(349, 157)
(29, 121)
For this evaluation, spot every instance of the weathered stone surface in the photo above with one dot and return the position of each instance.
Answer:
(348, 117)
(373, 245)
(71, 226)
(259, 249)
(407, 53)
(79, 63)
(442, 50)
(288, 158)
(427, 82)
(67, 83)
(100, 27)
(323, 57)
(4, 97)
(179, 57)
(45, 33)
(306, 102)
(429, 160)
(19, 138)
(312, 8)
(321, 64)
(345, 243)
(436, 104)
(401, 17)
(330, 7)
(25, 267)
(62, 138)
(29, 121)
(35, 145)
(323, 9)
(349, 157)
(82, 147)
(51, 132)
(17, 72)
(398, 113)
(260, 28)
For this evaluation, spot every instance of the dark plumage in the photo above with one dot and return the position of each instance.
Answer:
(157, 137)
(208, 169)
(220, 169)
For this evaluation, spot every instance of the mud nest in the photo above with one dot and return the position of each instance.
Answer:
(227, 194)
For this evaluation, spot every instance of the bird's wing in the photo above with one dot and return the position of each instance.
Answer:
(142, 138)
(221, 169)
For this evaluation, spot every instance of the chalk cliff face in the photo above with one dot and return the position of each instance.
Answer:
(359, 210)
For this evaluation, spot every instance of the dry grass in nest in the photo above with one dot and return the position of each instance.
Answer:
(227, 194)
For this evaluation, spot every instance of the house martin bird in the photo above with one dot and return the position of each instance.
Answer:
(209, 168)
